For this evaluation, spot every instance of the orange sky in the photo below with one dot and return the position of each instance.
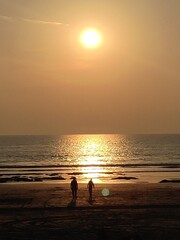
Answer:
(50, 83)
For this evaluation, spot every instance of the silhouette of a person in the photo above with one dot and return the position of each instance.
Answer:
(90, 186)
(74, 187)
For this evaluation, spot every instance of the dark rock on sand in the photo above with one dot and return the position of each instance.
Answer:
(170, 181)
(20, 179)
(3, 180)
(125, 178)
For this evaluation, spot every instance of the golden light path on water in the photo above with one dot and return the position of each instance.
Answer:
(95, 148)
(93, 155)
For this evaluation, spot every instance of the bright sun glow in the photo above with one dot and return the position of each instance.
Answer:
(91, 38)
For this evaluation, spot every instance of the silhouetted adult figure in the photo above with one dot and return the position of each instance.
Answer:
(90, 186)
(74, 187)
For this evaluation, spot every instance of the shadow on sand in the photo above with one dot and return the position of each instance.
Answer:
(72, 203)
(91, 201)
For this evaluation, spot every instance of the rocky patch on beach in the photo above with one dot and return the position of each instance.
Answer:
(30, 179)
(170, 181)
(124, 178)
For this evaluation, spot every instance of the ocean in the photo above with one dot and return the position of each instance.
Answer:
(104, 158)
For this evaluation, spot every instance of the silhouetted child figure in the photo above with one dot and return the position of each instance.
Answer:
(74, 187)
(90, 185)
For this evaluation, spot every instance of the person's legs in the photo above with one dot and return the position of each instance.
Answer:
(75, 193)
(72, 193)
(90, 192)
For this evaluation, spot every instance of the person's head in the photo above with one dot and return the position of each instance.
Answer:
(73, 178)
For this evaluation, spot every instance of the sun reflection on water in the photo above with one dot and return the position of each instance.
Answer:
(91, 153)
(94, 148)
(92, 172)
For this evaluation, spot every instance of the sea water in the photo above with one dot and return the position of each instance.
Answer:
(105, 158)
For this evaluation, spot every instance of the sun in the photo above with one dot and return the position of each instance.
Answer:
(91, 38)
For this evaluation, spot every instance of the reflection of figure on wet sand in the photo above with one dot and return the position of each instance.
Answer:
(74, 188)
(90, 185)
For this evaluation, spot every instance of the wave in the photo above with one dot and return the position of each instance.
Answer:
(134, 165)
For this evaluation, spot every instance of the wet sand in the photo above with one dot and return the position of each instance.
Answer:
(130, 211)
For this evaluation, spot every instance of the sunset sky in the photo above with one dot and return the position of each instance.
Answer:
(50, 83)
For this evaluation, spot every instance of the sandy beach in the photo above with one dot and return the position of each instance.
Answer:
(130, 211)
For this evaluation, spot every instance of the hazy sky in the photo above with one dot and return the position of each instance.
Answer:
(50, 83)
